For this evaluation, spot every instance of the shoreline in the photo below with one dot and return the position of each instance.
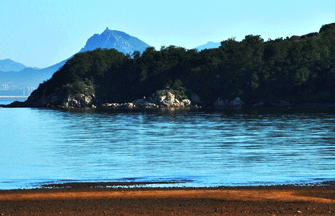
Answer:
(249, 200)
(155, 185)
(158, 102)
(18, 104)
(11, 97)
(164, 184)
(145, 186)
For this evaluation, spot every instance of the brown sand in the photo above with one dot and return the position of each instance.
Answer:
(222, 201)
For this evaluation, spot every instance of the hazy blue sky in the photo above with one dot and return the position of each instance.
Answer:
(40, 33)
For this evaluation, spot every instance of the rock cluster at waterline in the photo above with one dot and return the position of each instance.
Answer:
(166, 101)
(57, 101)
(91, 101)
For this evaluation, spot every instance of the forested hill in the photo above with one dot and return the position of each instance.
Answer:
(300, 69)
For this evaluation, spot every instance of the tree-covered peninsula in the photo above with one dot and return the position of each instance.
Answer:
(295, 70)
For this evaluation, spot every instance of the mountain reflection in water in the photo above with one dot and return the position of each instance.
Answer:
(190, 148)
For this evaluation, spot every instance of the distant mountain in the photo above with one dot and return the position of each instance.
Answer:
(111, 39)
(209, 45)
(10, 65)
(14, 80)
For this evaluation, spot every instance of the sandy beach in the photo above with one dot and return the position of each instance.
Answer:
(83, 200)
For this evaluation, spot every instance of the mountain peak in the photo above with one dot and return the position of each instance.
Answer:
(107, 31)
(10, 65)
(208, 45)
(113, 39)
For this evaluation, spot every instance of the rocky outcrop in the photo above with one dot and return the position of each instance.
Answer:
(155, 101)
(237, 102)
(186, 102)
(144, 103)
(90, 101)
(58, 101)
(78, 101)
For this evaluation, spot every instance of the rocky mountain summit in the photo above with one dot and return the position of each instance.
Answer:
(208, 45)
(111, 39)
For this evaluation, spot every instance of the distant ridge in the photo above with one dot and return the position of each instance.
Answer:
(7, 65)
(16, 77)
(209, 45)
(112, 39)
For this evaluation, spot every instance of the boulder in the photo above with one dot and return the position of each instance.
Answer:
(127, 106)
(236, 102)
(139, 102)
(115, 105)
(72, 104)
(74, 101)
(85, 100)
(161, 98)
(146, 103)
(170, 98)
(186, 103)
(110, 105)
(150, 105)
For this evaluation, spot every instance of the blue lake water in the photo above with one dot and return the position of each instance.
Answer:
(193, 148)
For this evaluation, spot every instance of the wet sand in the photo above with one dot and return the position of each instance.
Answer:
(84, 200)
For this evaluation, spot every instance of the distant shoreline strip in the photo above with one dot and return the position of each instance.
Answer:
(9, 97)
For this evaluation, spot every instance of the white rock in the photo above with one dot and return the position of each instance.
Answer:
(169, 97)
(186, 102)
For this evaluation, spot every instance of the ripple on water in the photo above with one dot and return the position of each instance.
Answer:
(195, 148)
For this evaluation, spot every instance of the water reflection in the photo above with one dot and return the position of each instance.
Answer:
(205, 148)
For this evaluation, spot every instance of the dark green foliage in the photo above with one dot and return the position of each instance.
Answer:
(328, 28)
(296, 69)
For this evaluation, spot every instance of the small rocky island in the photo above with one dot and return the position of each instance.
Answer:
(83, 101)
(294, 71)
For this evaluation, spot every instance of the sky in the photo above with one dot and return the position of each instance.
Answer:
(40, 33)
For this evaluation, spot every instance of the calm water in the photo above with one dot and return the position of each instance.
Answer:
(39, 146)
